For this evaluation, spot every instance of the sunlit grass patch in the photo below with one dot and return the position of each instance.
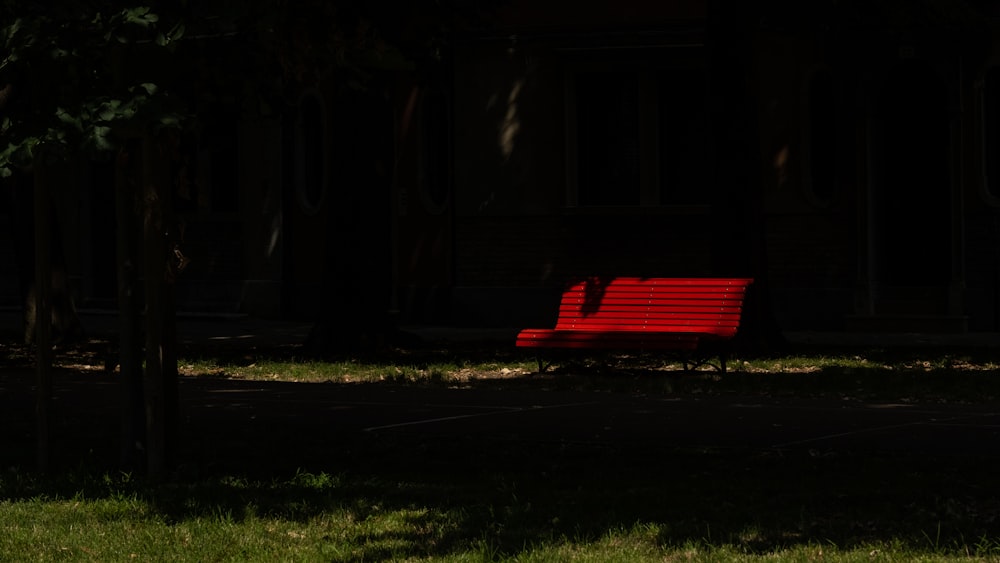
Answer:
(903, 375)
(805, 364)
(283, 370)
(901, 360)
(353, 371)
(932, 373)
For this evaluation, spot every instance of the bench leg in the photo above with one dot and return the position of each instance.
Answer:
(542, 364)
(694, 362)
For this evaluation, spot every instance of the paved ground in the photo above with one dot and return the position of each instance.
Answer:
(309, 421)
(763, 424)
(303, 424)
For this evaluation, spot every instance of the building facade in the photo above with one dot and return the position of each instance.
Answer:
(845, 155)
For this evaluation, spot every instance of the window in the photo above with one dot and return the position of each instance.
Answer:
(224, 164)
(683, 137)
(309, 157)
(206, 166)
(821, 137)
(991, 134)
(436, 151)
(638, 138)
(607, 117)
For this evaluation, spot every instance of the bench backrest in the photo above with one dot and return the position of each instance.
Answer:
(691, 305)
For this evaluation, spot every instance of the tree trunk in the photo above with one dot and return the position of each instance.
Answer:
(129, 333)
(42, 310)
(160, 376)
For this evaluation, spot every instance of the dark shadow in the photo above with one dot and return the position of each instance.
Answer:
(594, 288)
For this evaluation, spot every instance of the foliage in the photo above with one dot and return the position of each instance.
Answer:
(75, 73)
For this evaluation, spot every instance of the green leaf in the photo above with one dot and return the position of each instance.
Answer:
(142, 16)
(170, 120)
(110, 110)
(8, 32)
(58, 135)
(74, 121)
(101, 138)
(176, 32)
(148, 87)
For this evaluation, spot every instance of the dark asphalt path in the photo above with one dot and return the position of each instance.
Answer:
(654, 422)
(308, 424)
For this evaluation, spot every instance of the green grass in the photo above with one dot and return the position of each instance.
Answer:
(263, 369)
(497, 516)
(903, 375)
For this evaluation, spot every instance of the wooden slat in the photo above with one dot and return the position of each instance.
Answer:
(695, 293)
(646, 282)
(640, 319)
(611, 339)
(590, 310)
(655, 285)
(627, 320)
(643, 301)
(651, 312)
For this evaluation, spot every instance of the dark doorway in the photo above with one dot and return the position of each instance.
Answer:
(911, 190)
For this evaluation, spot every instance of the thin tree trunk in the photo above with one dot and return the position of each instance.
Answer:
(129, 344)
(168, 367)
(159, 378)
(43, 317)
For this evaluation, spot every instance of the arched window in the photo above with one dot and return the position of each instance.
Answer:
(639, 136)
(608, 142)
(436, 151)
(310, 152)
(991, 134)
(821, 137)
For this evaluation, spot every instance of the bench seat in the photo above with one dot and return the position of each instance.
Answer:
(683, 315)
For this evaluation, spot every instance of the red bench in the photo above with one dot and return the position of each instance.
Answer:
(693, 317)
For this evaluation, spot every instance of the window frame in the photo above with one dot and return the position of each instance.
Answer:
(428, 148)
(300, 176)
(987, 194)
(650, 196)
(809, 162)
